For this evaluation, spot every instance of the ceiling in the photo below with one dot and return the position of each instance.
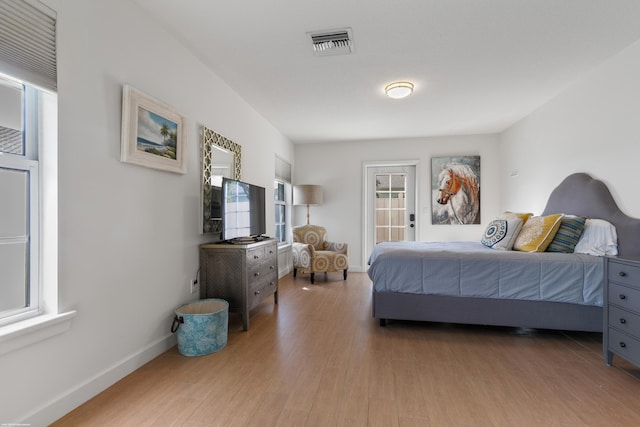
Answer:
(478, 65)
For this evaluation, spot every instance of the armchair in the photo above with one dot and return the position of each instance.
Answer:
(313, 253)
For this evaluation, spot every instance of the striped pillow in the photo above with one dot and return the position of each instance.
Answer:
(568, 234)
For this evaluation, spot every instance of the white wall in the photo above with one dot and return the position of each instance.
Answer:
(338, 168)
(593, 127)
(128, 235)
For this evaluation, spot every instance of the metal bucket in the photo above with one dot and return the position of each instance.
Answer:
(202, 326)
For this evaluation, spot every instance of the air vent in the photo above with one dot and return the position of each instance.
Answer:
(333, 42)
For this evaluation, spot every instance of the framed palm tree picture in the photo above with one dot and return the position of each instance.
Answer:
(153, 133)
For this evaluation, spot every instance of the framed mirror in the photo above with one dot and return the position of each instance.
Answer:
(221, 157)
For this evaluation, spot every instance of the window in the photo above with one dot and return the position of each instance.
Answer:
(281, 211)
(282, 198)
(19, 192)
(28, 128)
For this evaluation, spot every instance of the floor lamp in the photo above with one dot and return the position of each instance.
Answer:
(307, 195)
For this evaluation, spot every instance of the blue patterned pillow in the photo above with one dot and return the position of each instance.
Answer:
(501, 233)
(566, 239)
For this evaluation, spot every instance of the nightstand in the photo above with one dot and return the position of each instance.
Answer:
(621, 329)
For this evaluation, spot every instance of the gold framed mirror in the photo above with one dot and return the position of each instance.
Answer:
(221, 157)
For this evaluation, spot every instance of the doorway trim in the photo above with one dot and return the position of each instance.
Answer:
(366, 199)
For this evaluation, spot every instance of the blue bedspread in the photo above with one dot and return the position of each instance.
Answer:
(474, 270)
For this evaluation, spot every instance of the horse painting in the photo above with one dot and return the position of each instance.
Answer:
(458, 194)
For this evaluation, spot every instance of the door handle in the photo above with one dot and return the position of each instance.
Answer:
(412, 217)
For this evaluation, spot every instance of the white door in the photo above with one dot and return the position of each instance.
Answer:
(390, 200)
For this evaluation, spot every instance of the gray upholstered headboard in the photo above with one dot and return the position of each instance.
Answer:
(579, 194)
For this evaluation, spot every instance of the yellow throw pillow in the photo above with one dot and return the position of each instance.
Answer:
(537, 233)
(512, 215)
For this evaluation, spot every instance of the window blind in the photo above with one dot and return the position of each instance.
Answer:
(28, 42)
(283, 170)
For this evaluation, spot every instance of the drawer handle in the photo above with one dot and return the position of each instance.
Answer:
(622, 274)
(257, 274)
(623, 320)
(623, 296)
(256, 257)
(271, 267)
(272, 283)
(623, 344)
(257, 292)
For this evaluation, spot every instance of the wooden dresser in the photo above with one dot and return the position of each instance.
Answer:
(622, 310)
(242, 274)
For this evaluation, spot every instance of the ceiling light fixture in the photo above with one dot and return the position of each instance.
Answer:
(397, 90)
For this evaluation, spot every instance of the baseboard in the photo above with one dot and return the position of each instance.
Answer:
(76, 396)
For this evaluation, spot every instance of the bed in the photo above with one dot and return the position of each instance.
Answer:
(469, 283)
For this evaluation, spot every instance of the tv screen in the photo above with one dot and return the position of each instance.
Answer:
(243, 209)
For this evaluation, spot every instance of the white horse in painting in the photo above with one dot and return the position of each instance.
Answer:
(459, 191)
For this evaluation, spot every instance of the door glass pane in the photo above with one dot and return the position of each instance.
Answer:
(390, 207)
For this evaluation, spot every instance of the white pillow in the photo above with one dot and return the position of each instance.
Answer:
(599, 238)
(501, 233)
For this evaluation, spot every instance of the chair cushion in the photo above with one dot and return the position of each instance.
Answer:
(329, 261)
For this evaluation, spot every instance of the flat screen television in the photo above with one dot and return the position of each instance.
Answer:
(242, 210)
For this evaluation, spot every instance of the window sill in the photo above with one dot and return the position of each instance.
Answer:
(39, 328)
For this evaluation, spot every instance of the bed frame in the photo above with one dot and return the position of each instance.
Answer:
(578, 194)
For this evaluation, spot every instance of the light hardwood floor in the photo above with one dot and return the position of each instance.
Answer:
(320, 359)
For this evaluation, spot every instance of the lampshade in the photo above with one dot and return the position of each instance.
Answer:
(307, 195)
(397, 90)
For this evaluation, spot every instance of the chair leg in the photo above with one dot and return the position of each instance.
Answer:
(345, 274)
(295, 271)
(313, 277)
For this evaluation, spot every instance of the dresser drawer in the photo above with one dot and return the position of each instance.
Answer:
(255, 255)
(625, 321)
(271, 251)
(624, 273)
(262, 280)
(263, 288)
(625, 297)
(261, 269)
(624, 345)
